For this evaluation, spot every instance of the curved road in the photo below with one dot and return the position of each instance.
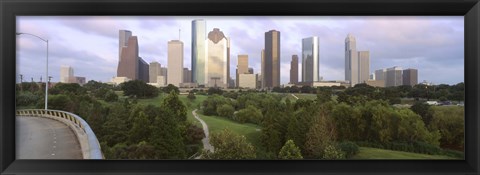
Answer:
(206, 140)
(43, 138)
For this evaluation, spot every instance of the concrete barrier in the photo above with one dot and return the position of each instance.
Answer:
(85, 135)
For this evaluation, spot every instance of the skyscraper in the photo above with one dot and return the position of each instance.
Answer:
(217, 59)
(262, 69)
(128, 64)
(154, 71)
(380, 74)
(175, 63)
(294, 69)
(143, 72)
(272, 59)
(66, 72)
(351, 60)
(363, 66)
(198, 51)
(187, 75)
(124, 35)
(310, 59)
(394, 77)
(410, 77)
(242, 67)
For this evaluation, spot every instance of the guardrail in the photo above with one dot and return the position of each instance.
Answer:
(88, 141)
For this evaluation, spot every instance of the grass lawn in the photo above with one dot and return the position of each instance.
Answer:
(250, 131)
(306, 96)
(374, 153)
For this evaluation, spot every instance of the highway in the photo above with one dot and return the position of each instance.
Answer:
(43, 138)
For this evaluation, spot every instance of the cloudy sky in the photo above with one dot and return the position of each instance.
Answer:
(433, 45)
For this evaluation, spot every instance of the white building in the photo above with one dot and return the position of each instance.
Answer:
(351, 60)
(154, 70)
(118, 80)
(363, 66)
(66, 73)
(248, 81)
(175, 63)
(216, 59)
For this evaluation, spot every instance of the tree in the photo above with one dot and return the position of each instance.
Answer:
(166, 136)
(271, 137)
(423, 110)
(320, 135)
(290, 151)
(213, 90)
(140, 129)
(228, 145)
(225, 110)
(332, 152)
(173, 103)
(139, 89)
(191, 96)
(111, 96)
(169, 88)
(249, 114)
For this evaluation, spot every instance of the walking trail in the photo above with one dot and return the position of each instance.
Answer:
(206, 140)
(295, 96)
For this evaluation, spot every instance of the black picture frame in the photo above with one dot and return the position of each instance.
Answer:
(9, 9)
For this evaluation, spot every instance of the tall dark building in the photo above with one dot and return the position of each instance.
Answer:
(272, 59)
(128, 63)
(294, 69)
(410, 77)
(143, 70)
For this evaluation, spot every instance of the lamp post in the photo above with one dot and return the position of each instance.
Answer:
(46, 82)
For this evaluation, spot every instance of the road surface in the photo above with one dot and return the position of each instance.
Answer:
(43, 138)
(206, 140)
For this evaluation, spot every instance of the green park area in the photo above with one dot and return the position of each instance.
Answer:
(139, 121)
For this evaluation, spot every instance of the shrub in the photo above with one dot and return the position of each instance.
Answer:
(349, 148)
(332, 152)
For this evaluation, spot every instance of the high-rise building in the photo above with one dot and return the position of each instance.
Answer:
(66, 72)
(363, 66)
(380, 74)
(310, 60)
(154, 71)
(248, 81)
(410, 77)
(294, 69)
(262, 69)
(250, 70)
(228, 64)
(242, 66)
(143, 71)
(198, 51)
(351, 60)
(217, 59)
(187, 75)
(124, 35)
(272, 59)
(175, 63)
(128, 65)
(357, 64)
(394, 77)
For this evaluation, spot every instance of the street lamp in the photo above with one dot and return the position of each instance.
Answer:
(46, 82)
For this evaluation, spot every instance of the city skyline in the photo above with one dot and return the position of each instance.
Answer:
(409, 45)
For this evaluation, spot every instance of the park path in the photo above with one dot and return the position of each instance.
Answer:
(206, 141)
(294, 96)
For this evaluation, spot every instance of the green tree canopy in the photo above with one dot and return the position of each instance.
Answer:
(290, 151)
(228, 145)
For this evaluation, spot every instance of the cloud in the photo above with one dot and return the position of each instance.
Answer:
(434, 45)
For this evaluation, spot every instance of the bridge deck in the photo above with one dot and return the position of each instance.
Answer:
(43, 138)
